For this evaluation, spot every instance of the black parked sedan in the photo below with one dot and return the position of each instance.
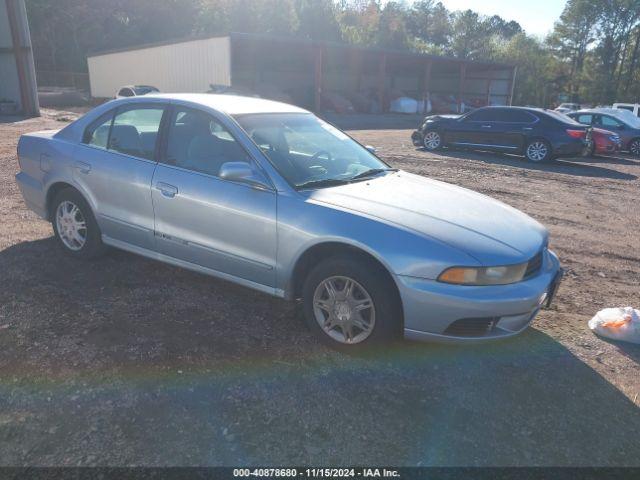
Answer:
(540, 135)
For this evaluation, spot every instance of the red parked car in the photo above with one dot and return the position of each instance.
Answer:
(603, 141)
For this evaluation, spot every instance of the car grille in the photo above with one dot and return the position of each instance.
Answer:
(472, 327)
(534, 265)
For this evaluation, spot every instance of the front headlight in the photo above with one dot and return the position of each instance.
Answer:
(484, 275)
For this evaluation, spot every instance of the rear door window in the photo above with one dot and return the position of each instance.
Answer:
(135, 130)
(515, 116)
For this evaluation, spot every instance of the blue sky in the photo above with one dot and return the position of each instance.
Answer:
(535, 16)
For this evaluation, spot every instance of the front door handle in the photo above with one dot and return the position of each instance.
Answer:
(167, 190)
(486, 126)
(527, 128)
(83, 167)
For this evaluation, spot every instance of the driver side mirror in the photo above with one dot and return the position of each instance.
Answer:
(242, 172)
(371, 149)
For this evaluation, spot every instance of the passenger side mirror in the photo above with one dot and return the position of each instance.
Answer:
(244, 173)
(371, 149)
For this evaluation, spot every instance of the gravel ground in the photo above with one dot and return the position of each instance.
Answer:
(126, 361)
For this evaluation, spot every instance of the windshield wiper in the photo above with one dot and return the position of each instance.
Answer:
(325, 182)
(372, 171)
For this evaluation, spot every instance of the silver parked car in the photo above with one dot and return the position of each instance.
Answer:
(269, 196)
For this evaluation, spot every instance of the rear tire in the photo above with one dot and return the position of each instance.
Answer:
(362, 309)
(75, 227)
(538, 151)
(634, 147)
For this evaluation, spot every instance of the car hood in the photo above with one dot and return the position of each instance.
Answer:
(488, 230)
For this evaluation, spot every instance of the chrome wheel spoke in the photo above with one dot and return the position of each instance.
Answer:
(361, 305)
(71, 225)
(339, 303)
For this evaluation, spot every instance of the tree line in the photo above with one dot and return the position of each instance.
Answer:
(592, 55)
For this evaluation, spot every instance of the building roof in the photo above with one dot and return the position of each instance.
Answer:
(298, 41)
(231, 104)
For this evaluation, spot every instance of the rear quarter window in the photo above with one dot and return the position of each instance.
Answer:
(97, 133)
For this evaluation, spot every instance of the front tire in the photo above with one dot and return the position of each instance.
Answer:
(432, 140)
(634, 147)
(349, 304)
(75, 227)
(538, 151)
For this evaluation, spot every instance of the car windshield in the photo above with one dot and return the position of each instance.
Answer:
(627, 117)
(309, 152)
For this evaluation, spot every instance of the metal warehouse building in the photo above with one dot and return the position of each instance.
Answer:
(310, 74)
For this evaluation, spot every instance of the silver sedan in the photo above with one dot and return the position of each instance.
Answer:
(269, 196)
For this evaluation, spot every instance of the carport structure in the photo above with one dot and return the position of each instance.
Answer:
(302, 71)
(308, 69)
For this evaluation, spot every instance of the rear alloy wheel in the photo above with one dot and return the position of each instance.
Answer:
(538, 151)
(348, 305)
(432, 140)
(74, 225)
(634, 147)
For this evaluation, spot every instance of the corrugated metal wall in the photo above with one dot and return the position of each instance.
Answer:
(173, 68)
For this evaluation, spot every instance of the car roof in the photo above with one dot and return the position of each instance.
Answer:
(232, 104)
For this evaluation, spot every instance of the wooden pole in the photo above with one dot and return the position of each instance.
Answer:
(513, 84)
(426, 85)
(318, 79)
(382, 69)
(463, 71)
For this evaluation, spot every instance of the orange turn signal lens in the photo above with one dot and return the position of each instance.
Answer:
(458, 275)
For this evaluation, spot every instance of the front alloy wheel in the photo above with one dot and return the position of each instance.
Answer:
(538, 151)
(432, 140)
(351, 303)
(344, 310)
(634, 147)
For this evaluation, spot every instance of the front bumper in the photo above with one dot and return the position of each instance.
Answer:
(416, 138)
(435, 311)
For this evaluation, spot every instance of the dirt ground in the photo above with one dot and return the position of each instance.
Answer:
(126, 361)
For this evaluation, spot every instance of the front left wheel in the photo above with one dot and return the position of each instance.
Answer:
(634, 147)
(349, 304)
(432, 140)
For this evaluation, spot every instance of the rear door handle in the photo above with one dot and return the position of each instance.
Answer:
(167, 190)
(486, 126)
(527, 128)
(83, 167)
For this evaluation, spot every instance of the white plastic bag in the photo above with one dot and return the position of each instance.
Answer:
(617, 324)
(404, 105)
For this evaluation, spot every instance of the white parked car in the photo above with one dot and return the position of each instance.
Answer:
(136, 91)
(631, 107)
(568, 107)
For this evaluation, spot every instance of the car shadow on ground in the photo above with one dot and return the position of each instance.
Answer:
(126, 361)
(570, 166)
